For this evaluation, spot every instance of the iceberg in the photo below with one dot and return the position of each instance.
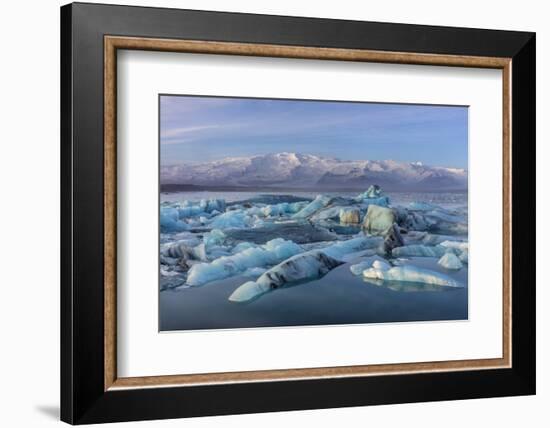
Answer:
(177, 250)
(255, 271)
(309, 265)
(327, 213)
(434, 220)
(343, 248)
(357, 269)
(450, 261)
(169, 221)
(349, 216)
(374, 191)
(392, 239)
(413, 221)
(180, 253)
(241, 246)
(373, 195)
(410, 273)
(419, 251)
(319, 202)
(214, 237)
(271, 253)
(462, 246)
(378, 220)
(379, 264)
(283, 208)
(232, 219)
(427, 238)
(190, 211)
(210, 205)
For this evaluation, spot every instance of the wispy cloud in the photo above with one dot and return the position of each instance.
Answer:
(195, 128)
(177, 132)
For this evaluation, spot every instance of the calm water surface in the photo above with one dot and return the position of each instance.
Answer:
(337, 298)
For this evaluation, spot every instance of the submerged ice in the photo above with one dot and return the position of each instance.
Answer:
(409, 273)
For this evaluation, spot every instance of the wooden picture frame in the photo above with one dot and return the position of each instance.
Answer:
(91, 390)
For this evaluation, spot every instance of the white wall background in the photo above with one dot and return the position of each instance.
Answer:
(29, 214)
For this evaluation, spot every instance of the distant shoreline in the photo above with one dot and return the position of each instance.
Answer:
(174, 188)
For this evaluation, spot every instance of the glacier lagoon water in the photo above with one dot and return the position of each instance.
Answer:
(339, 297)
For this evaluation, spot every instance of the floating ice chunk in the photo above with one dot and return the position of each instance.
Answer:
(392, 239)
(182, 252)
(357, 269)
(430, 238)
(319, 202)
(382, 201)
(350, 216)
(415, 221)
(170, 249)
(462, 246)
(378, 220)
(280, 209)
(170, 261)
(218, 251)
(374, 191)
(190, 211)
(282, 249)
(241, 246)
(214, 237)
(257, 222)
(379, 264)
(450, 261)
(200, 252)
(177, 250)
(215, 205)
(343, 248)
(373, 195)
(312, 264)
(419, 251)
(164, 271)
(255, 271)
(410, 273)
(271, 253)
(169, 221)
(327, 213)
(295, 207)
(275, 210)
(232, 219)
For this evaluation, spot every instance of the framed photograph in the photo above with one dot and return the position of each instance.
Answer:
(266, 213)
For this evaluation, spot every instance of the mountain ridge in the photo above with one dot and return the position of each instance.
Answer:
(302, 170)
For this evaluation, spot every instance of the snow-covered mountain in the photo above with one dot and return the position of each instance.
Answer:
(296, 170)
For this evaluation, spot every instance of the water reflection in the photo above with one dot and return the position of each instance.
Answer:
(407, 287)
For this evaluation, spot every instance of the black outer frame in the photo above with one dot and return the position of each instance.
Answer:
(83, 399)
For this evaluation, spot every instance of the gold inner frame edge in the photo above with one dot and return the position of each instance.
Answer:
(113, 43)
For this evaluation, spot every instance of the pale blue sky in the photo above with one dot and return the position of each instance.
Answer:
(199, 129)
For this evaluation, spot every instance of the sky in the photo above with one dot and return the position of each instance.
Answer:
(196, 129)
